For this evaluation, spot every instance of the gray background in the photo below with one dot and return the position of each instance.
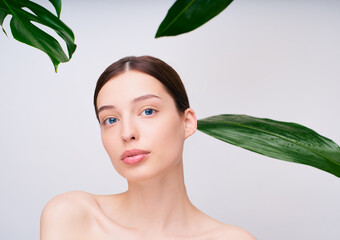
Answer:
(275, 59)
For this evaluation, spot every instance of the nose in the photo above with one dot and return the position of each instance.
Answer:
(129, 131)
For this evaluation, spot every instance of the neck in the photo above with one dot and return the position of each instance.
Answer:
(159, 204)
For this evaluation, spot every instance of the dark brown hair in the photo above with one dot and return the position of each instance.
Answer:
(153, 67)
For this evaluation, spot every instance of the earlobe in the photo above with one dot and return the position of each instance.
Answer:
(190, 122)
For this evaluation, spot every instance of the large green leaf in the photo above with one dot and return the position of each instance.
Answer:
(57, 5)
(187, 15)
(282, 140)
(24, 31)
(3, 13)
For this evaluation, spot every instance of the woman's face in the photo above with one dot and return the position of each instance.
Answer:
(141, 129)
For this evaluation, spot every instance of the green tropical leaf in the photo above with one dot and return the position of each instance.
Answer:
(187, 15)
(282, 140)
(3, 13)
(25, 31)
(57, 5)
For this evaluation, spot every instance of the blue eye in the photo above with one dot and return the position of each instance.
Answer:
(148, 111)
(110, 121)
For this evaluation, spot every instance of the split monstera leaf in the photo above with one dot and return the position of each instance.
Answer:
(24, 13)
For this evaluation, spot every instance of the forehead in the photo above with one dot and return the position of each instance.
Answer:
(129, 85)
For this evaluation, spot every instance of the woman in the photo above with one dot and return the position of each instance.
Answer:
(144, 117)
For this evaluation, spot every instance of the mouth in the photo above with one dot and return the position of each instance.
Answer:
(134, 156)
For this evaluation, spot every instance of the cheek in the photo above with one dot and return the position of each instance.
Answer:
(110, 143)
(169, 138)
(113, 147)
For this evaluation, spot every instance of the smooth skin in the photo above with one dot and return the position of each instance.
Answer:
(138, 113)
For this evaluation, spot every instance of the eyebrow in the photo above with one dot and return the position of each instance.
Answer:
(138, 99)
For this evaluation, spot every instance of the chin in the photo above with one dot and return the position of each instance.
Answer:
(138, 175)
(145, 171)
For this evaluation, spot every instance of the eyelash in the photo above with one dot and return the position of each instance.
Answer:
(104, 122)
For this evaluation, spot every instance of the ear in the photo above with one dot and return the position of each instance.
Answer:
(190, 122)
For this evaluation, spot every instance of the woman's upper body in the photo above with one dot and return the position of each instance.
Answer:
(144, 118)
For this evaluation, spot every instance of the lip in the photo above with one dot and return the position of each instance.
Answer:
(134, 156)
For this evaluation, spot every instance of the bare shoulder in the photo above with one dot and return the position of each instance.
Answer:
(66, 214)
(66, 204)
(228, 231)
